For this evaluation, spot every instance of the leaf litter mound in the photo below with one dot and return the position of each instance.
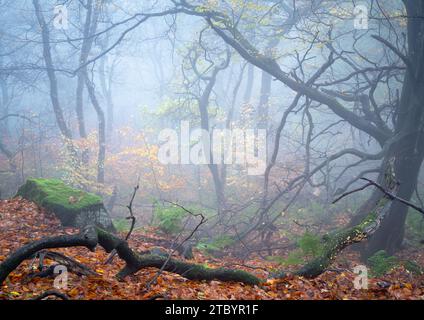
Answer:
(22, 221)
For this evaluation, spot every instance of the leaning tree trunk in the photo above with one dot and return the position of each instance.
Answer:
(407, 146)
(390, 235)
(336, 241)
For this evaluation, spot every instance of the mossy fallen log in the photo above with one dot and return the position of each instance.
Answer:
(91, 236)
(73, 207)
(335, 242)
(192, 271)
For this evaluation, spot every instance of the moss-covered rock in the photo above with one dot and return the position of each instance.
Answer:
(73, 207)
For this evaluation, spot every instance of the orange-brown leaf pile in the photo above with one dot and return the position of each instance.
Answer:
(22, 221)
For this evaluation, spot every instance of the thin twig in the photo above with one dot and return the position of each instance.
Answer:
(202, 221)
(130, 217)
(390, 195)
(393, 196)
(350, 192)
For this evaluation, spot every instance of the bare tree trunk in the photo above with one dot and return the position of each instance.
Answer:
(106, 85)
(249, 84)
(79, 105)
(204, 121)
(263, 106)
(90, 27)
(266, 84)
(102, 131)
(4, 109)
(54, 93)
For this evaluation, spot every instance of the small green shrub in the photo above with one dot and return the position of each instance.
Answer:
(121, 224)
(414, 226)
(317, 210)
(309, 247)
(214, 245)
(310, 244)
(169, 219)
(294, 258)
(413, 267)
(380, 263)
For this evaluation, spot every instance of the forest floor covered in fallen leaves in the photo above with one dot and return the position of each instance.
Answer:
(22, 221)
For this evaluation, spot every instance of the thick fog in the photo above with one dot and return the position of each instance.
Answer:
(310, 97)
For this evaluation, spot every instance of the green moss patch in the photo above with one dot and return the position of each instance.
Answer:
(72, 206)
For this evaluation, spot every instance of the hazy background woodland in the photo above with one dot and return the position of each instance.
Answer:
(84, 97)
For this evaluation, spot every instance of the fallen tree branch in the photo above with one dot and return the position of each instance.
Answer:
(87, 238)
(335, 242)
(192, 271)
(184, 250)
(158, 296)
(71, 265)
(51, 293)
(163, 267)
(134, 261)
(339, 240)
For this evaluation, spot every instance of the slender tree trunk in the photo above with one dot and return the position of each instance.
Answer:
(54, 92)
(102, 131)
(204, 121)
(79, 105)
(263, 106)
(106, 86)
(4, 133)
(4, 109)
(249, 84)
(90, 27)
